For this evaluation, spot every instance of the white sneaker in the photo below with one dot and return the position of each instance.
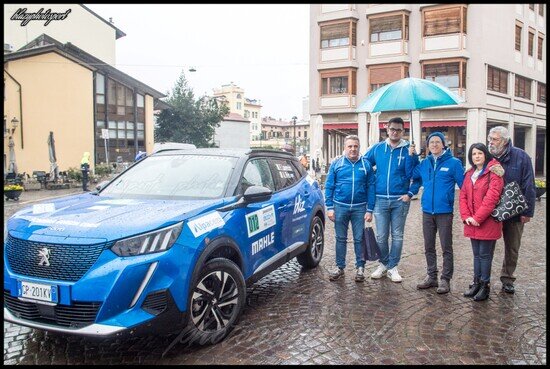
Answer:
(394, 275)
(379, 272)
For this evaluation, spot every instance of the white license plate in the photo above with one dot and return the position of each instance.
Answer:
(37, 291)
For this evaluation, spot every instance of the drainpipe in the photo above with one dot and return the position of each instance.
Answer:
(20, 104)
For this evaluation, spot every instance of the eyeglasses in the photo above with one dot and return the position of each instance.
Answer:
(493, 139)
(398, 130)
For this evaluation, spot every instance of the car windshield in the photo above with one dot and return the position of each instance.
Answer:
(174, 177)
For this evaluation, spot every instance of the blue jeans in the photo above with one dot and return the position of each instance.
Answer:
(483, 258)
(342, 217)
(390, 212)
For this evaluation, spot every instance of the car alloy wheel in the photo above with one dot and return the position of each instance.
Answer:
(216, 300)
(312, 255)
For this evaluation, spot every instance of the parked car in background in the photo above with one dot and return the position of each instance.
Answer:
(169, 244)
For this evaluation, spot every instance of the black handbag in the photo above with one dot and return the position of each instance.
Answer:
(369, 246)
(511, 203)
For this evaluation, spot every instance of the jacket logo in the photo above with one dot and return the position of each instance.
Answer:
(44, 255)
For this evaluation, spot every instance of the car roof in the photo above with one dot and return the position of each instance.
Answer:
(228, 152)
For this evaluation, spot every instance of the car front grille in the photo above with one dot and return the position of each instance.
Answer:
(67, 262)
(77, 315)
(155, 302)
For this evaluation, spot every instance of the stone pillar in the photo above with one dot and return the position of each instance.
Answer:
(362, 131)
(531, 142)
(476, 129)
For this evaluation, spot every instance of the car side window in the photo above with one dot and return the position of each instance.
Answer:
(285, 173)
(257, 173)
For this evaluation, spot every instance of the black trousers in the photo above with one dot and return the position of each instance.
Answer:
(512, 232)
(442, 223)
(84, 180)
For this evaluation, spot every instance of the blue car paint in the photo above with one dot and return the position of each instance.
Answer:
(114, 281)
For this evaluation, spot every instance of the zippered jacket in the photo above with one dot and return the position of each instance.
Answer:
(394, 167)
(438, 176)
(350, 184)
(477, 200)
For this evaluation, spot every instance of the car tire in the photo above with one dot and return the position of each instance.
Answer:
(215, 302)
(312, 255)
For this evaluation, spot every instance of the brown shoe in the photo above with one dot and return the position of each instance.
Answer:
(444, 286)
(427, 283)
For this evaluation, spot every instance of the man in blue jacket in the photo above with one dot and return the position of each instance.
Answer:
(349, 196)
(517, 167)
(394, 168)
(439, 173)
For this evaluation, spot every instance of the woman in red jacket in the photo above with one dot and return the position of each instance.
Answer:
(479, 195)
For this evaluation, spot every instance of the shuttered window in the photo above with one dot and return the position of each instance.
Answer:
(338, 82)
(541, 93)
(389, 28)
(450, 75)
(522, 87)
(444, 21)
(541, 10)
(518, 37)
(334, 35)
(381, 76)
(497, 80)
(532, 7)
(539, 47)
(531, 44)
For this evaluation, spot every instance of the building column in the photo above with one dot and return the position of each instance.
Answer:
(476, 129)
(531, 142)
(362, 130)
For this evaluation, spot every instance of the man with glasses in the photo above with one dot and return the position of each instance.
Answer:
(394, 167)
(349, 197)
(517, 167)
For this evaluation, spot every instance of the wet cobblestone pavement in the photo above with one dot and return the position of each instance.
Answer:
(296, 316)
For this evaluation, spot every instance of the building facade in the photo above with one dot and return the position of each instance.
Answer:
(55, 86)
(492, 55)
(279, 134)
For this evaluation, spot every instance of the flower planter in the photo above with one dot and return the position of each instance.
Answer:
(12, 194)
(539, 191)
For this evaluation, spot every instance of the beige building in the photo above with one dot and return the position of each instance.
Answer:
(249, 109)
(54, 86)
(279, 133)
(492, 55)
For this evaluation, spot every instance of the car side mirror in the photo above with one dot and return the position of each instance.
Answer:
(257, 194)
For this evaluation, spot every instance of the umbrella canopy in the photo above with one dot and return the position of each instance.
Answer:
(408, 94)
(54, 170)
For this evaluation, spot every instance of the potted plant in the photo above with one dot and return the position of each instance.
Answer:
(540, 188)
(12, 191)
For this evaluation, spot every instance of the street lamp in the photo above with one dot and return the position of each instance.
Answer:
(11, 145)
(294, 124)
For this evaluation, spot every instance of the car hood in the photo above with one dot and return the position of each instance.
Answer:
(101, 217)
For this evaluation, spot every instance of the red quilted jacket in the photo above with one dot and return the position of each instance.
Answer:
(478, 200)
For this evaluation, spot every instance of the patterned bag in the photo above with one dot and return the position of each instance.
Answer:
(511, 203)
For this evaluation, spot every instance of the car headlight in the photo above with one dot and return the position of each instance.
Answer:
(156, 241)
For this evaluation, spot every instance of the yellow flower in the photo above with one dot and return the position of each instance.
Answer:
(13, 188)
(540, 183)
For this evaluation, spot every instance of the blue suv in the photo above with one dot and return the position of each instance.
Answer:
(169, 244)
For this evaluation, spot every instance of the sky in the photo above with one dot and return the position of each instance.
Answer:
(262, 48)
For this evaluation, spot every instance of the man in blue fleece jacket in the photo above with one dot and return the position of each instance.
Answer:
(394, 168)
(439, 173)
(349, 197)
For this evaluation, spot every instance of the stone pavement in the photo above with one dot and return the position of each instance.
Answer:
(296, 316)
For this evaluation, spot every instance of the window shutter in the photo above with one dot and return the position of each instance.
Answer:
(531, 44)
(384, 75)
(333, 31)
(518, 38)
(386, 24)
(539, 48)
(442, 21)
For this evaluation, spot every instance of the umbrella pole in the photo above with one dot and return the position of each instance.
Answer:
(411, 126)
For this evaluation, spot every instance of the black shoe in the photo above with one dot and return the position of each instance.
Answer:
(428, 282)
(483, 292)
(474, 288)
(508, 288)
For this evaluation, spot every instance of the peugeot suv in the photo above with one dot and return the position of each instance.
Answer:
(169, 244)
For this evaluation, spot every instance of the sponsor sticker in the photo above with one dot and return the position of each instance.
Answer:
(43, 208)
(299, 205)
(263, 242)
(205, 223)
(260, 220)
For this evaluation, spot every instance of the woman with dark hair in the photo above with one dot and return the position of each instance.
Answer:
(479, 195)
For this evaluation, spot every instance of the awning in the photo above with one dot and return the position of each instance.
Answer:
(328, 126)
(424, 124)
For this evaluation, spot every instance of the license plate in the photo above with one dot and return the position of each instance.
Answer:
(37, 291)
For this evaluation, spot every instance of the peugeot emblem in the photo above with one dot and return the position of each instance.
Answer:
(44, 254)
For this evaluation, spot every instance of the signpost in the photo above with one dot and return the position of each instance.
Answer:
(105, 137)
